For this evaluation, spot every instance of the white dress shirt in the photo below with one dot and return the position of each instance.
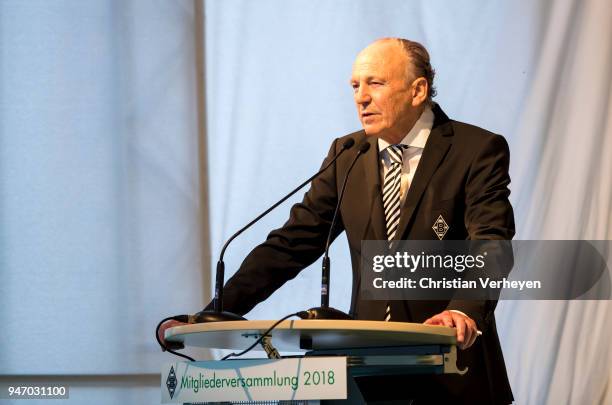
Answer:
(415, 140)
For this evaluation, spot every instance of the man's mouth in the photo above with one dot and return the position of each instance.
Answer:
(367, 117)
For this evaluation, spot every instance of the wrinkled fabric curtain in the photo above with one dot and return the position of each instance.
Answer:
(559, 351)
(100, 201)
(536, 72)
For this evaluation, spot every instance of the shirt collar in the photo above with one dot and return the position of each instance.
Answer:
(417, 136)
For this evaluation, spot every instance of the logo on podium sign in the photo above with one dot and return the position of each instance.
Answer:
(171, 382)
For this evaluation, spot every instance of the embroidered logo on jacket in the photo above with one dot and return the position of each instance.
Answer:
(440, 227)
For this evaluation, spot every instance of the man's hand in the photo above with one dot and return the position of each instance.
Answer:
(162, 330)
(467, 332)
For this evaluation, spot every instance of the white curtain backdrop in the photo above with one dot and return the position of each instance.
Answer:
(99, 184)
(537, 72)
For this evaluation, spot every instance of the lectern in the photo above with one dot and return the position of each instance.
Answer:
(369, 347)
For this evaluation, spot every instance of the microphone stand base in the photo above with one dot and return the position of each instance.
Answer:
(327, 313)
(214, 316)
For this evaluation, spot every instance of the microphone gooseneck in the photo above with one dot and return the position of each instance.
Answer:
(324, 311)
(217, 314)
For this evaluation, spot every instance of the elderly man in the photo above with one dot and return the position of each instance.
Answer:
(422, 166)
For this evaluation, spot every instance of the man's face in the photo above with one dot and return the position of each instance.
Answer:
(388, 103)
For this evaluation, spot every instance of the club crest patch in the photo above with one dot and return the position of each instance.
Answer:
(440, 227)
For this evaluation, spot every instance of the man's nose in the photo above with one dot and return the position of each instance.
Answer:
(362, 95)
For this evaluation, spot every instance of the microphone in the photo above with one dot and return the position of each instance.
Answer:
(325, 311)
(217, 314)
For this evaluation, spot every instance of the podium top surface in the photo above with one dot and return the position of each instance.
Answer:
(320, 334)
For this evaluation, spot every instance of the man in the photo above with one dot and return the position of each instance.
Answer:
(421, 166)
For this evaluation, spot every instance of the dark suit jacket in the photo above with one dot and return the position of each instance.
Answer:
(463, 175)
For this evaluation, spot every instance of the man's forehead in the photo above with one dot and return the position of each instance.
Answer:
(369, 66)
(379, 62)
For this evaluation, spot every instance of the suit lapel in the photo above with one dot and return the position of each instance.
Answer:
(373, 189)
(436, 148)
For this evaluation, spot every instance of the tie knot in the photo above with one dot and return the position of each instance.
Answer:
(395, 153)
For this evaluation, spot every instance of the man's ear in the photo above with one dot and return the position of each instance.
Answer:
(420, 87)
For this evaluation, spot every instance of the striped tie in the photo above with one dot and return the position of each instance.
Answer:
(391, 198)
(391, 190)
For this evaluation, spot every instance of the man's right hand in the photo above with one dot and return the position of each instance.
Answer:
(162, 331)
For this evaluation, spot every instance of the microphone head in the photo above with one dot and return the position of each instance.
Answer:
(363, 148)
(348, 143)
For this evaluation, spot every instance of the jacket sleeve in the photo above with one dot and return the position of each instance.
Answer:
(488, 215)
(289, 249)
